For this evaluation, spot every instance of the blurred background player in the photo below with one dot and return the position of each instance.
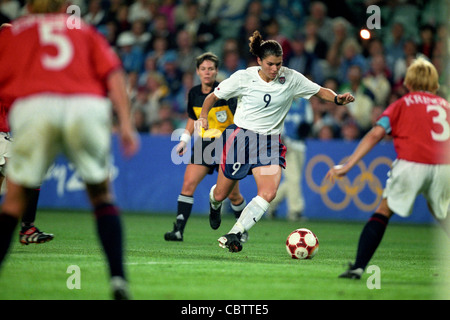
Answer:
(220, 117)
(28, 233)
(419, 123)
(265, 94)
(297, 127)
(63, 107)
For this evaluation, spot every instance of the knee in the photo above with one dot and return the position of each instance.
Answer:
(219, 195)
(268, 195)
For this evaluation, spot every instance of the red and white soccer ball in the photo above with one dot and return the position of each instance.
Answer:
(302, 244)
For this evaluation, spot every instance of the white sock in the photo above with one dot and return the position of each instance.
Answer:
(250, 215)
(214, 203)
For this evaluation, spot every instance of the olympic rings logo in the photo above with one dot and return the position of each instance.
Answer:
(366, 177)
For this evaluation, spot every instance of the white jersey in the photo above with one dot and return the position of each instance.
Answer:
(262, 106)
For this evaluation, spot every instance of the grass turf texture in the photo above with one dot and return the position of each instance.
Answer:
(198, 269)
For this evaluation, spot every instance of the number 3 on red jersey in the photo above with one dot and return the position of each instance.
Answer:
(440, 119)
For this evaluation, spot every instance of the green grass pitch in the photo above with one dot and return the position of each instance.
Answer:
(198, 269)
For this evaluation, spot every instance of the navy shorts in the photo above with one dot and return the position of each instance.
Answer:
(243, 150)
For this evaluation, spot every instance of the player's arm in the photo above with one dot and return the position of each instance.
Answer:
(119, 98)
(202, 121)
(375, 135)
(330, 96)
(185, 138)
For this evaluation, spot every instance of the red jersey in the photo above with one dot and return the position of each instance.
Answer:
(4, 108)
(42, 54)
(420, 126)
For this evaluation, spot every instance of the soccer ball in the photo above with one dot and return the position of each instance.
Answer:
(302, 244)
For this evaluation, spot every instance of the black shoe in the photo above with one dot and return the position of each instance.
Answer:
(34, 235)
(120, 289)
(174, 235)
(215, 218)
(231, 241)
(351, 273)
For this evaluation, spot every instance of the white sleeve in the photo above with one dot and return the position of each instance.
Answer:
(303, 87)
(229, 88)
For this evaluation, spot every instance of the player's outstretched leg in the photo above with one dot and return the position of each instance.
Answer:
(369, 241)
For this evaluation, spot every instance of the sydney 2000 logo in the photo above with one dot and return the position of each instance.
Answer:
(348, 189)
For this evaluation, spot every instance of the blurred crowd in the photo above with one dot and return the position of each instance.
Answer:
(158, 41)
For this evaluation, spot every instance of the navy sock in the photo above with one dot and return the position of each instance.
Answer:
(369, 239)
(8, 225)
(183, 211)
(109, 230)
(237, 209)
(29, 216)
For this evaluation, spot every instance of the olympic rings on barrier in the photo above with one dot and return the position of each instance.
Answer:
(366, 177)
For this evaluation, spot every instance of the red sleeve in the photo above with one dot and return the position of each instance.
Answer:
(104, 59)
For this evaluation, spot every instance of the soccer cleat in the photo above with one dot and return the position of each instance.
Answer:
(351, 273)
(215, 217)
(174, 235)
(34, 235)
(231, 241)
(120, 289)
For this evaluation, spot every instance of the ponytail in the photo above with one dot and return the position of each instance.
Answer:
(263, 49)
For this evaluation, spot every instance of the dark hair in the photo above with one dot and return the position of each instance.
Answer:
(207, 56)
(263, 49)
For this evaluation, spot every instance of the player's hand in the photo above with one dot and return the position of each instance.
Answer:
(345, 98)
(129, 140)
(337, 172)
(201, 123)
(181, 148)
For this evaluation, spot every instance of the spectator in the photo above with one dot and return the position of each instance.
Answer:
(314, 44)
(304, 62)
(395, 43)
(427, 41)
(157, 90)
(132, 56)
(203, 33)
(141, 37)
(351, 55)
(96, 15)
(232, 62)
(139, 10)
(181, 13)
(361, 108)
(167, 9)
(324, 24)
(377, 81)
(334, 54)
(350, 130)
(159, 29)
(186, 51)
(252, 22)
(272, 30)
(10, 8)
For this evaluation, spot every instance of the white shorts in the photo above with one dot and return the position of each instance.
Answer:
(5, 150)
(45, 125)
(406, 180)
